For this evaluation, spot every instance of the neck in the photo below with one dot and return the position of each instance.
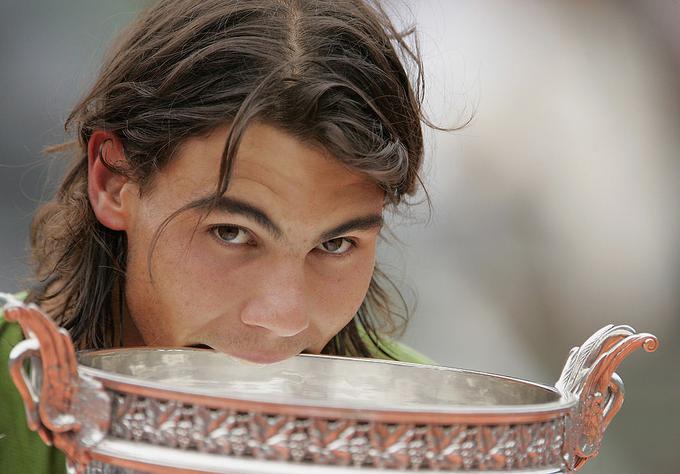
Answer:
(131, 335)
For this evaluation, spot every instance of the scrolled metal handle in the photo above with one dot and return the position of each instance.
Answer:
(613, 403)
(53, 408)
(26, 350)
(589, 375)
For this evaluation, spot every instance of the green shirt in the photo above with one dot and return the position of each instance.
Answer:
(23, 452)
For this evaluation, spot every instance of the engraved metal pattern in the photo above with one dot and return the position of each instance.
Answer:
(358, 443)
(97, 467)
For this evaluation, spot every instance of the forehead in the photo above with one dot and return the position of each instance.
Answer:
(273, 166)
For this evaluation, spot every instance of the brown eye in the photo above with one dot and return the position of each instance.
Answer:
(232, 234)
(336, 246)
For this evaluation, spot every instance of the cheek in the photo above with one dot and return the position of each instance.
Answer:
(206, 281)
(343, 294)
(216, 277)
(187, 287)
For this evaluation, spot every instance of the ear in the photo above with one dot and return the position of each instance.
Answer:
(106, 189)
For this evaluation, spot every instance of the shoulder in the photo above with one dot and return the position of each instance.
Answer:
(388, 348)
(404, 353)
(10, 335)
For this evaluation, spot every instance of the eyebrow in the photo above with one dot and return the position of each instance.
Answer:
(359, 223)
(238, 206)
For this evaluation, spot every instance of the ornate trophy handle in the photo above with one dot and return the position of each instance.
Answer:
(58, 403)
(589, 375)
(17, 358)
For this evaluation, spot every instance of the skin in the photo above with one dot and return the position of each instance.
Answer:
(261, 288)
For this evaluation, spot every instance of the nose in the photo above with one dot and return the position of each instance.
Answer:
(279, 305)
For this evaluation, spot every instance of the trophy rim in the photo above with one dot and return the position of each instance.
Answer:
(426, 413)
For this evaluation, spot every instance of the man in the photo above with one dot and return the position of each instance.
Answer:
(232, 166)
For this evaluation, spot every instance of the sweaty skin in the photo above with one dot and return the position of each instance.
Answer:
(278, 269)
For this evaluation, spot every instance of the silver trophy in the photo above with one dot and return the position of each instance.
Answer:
(151, 410)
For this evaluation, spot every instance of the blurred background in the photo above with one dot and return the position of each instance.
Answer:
(554, 211)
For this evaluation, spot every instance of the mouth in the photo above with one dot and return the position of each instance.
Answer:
(200, 346)
(259, 358)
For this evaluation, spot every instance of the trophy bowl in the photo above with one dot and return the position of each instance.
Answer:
(158, 410)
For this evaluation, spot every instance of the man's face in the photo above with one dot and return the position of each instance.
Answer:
(279, 267)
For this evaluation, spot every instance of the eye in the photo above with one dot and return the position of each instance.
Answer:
(338, 246)
(232, 234)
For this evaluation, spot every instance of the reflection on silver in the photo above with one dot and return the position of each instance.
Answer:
(317, 381)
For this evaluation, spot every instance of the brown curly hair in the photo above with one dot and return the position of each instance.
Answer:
(329, 72)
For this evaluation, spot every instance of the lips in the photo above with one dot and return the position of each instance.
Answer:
(254, 357)
(200, 346)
